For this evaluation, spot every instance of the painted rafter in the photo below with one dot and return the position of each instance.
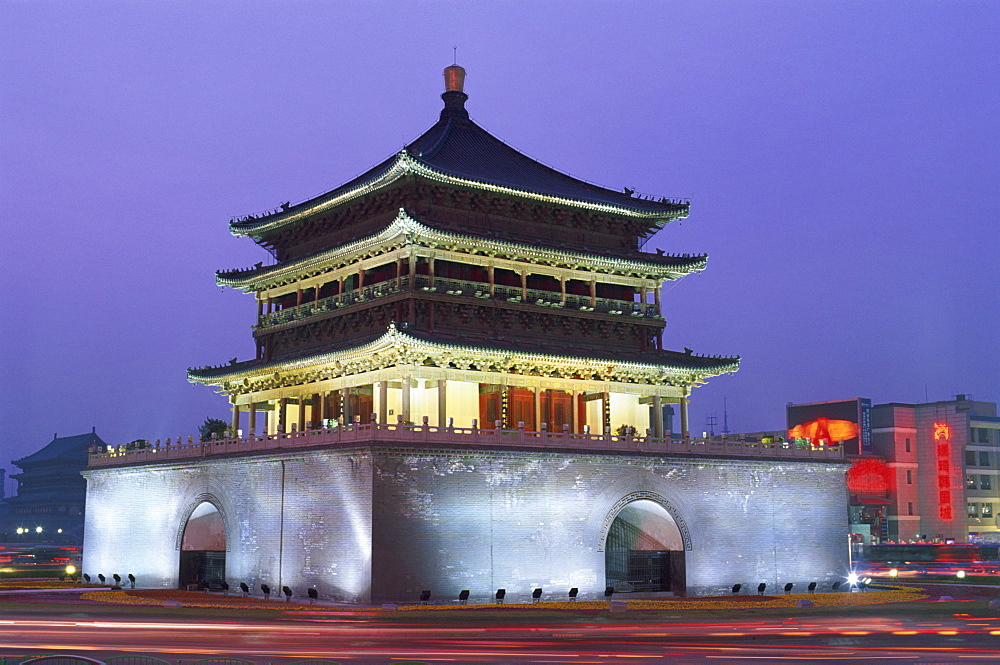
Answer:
(406, 164)
(396, 347)
(405, 231)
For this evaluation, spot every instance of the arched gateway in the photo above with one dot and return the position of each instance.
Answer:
(203, 547)
(644, 549)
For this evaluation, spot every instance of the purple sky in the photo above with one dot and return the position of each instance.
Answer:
(842, 159)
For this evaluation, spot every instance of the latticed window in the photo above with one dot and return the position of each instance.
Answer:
(973, 510)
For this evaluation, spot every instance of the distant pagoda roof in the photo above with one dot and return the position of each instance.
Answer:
(406, 229)
(398, 347)
(457, 151)
(63, 449)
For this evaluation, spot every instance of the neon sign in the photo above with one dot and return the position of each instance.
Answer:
(869, 477)
(942, 447)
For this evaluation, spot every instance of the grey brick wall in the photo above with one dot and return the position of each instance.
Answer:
(384, 523)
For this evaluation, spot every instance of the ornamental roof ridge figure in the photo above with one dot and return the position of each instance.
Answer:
(479, 252)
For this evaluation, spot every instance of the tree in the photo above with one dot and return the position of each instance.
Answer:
(212, 426)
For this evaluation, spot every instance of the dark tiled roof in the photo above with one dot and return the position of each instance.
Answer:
(66, 447)
(652, 357)
(458, 147)
(559, 348)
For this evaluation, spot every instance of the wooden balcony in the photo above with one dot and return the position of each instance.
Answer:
(464, 289)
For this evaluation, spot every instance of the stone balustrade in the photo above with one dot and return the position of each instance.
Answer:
(433, 436)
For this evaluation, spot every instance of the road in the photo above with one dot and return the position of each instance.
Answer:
(947, 632)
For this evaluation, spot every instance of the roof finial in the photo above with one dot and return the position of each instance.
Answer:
(454, 78)
(455, 49)
(454, 96)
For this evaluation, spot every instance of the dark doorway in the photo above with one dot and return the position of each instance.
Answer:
(644, 551)
(203, 548)
(202, 567)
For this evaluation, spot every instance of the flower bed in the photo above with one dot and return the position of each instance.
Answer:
(879, 597)
(158, 597)
(29, 583)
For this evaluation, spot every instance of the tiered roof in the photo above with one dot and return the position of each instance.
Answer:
(396, 346)
(459, 152)
(405, 229)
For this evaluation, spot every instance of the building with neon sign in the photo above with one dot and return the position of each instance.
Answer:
(944, 470)
(459, 383)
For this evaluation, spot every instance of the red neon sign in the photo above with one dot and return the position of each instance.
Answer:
(869, 477)
(942, 439)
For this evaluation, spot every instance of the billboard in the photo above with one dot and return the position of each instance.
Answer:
(846, 421)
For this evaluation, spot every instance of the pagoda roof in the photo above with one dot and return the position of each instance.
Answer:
(459, 152)
(63, 448)
(405, 229)
(398, 346)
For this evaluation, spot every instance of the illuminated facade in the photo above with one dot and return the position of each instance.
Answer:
(944, 464)
(460, 382)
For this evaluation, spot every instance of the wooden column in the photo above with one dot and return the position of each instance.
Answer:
(550, 409)
(605, 412)
(236, 419)
(685, 434)
(656, 298)
(279, 417)
(538, 408)
(562, 289)
(593, 293)
(642, 299)
(489, 271)
(302, 412)
(406, 399)
(383, 402)
(252, 417)
(524, 286)
(361, 278)
(298, 297)
(442, 402)
(430, 270)
(657, 417)
(399, 272)
(574, 423)
(260, 307)
(318, 410)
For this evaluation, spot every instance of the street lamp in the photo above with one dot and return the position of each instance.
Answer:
(38, 529)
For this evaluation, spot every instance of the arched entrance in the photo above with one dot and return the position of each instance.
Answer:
(644, 550)
(203, 547)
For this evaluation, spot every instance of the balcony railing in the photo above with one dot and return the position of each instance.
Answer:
(474, 437)
(458, 287)
(328, 304)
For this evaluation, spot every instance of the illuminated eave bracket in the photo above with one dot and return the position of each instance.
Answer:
(396, 347)
(405, 230)
(406, 164)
